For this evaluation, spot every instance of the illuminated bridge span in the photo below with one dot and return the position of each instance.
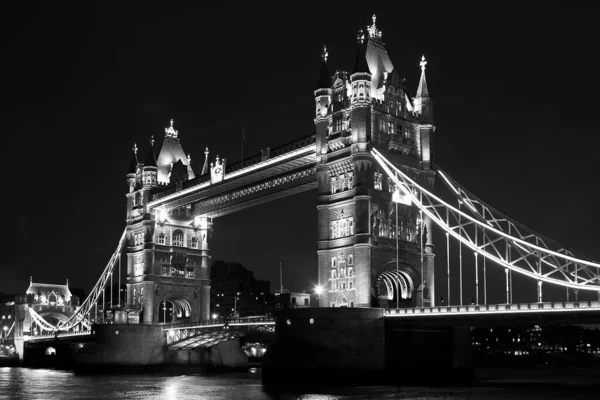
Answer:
(209, 333)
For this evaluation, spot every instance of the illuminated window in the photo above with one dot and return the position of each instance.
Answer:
(165, 270)
(337, 123)
(350, 180)
(381, 125)
(333, 184)
(9, 317)
(390, 128)
(377, 181)
(190, 272)
(178, 238)
(138, 238)
(161, 238)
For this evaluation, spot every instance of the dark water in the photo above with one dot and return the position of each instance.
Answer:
(33, 384)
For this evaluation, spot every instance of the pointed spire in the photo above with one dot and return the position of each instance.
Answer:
(67, 281)
(360, 63)
(150, 157)
(205, 166)
(422, 91)
(134, 160)
(30, 280)
(423, 103)
(324, 81)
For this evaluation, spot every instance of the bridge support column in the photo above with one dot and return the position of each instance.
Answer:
(204, 273)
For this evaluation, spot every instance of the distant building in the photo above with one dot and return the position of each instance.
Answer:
(536, 339)
(7, 315)
(235, 292)
(287, 299)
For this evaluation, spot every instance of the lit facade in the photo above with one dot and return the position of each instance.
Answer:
(167, 250)
(356, 110)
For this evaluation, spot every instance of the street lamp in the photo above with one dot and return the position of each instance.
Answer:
(318, 293)
(399, 196)
(5, 333)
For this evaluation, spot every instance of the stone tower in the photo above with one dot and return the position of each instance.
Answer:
(366, 108)
(168, 276)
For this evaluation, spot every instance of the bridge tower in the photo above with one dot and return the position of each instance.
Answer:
(357, 231)
(168, 275)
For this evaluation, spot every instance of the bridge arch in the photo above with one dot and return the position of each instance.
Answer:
(171, 308)
(396, 286)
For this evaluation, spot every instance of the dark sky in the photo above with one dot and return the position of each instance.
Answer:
(514, 84)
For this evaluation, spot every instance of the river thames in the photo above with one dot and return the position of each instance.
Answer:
(34, 384)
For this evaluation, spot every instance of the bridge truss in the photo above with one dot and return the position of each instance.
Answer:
(495, 237)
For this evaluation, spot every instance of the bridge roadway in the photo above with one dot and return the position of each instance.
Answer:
(579, 312)
(209, 333)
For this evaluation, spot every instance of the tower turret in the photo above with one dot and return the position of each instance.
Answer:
(150, 170)
(360, 81)
(424, 108)
(131, 174)
(423, 103)
(323, 102)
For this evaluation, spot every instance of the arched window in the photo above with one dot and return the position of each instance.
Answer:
(161, 238)
(178, 238)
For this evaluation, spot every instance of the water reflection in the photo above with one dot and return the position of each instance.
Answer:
(33, 384)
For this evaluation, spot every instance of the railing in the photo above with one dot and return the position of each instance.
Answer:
(59, 335)
(221, 322)
(496, 309)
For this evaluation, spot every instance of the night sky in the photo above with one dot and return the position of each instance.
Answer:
(515, 93)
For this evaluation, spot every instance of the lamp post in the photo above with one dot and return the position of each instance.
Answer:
(235, 314)
(399, 197)
(5, 328)
(318, 293)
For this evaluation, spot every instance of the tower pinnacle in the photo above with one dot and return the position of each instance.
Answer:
(373, 31)
(170, 131)
(205, 166)
(423, 63)
(324, 53)
(422, 91)
(135, 149)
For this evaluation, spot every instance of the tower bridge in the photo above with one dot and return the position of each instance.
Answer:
(370, 162)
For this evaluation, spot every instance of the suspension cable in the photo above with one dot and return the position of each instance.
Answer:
(386, 165)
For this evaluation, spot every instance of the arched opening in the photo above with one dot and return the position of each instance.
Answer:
(174, 310)
(50, 351)
(395, 288)
(342, 302)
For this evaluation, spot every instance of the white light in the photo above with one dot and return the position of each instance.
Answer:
(311, 321)
(162, 215)
(171, 333)
(401, 198)
(289, 322)
(319, 289)
(215, 316)
(323, 111)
